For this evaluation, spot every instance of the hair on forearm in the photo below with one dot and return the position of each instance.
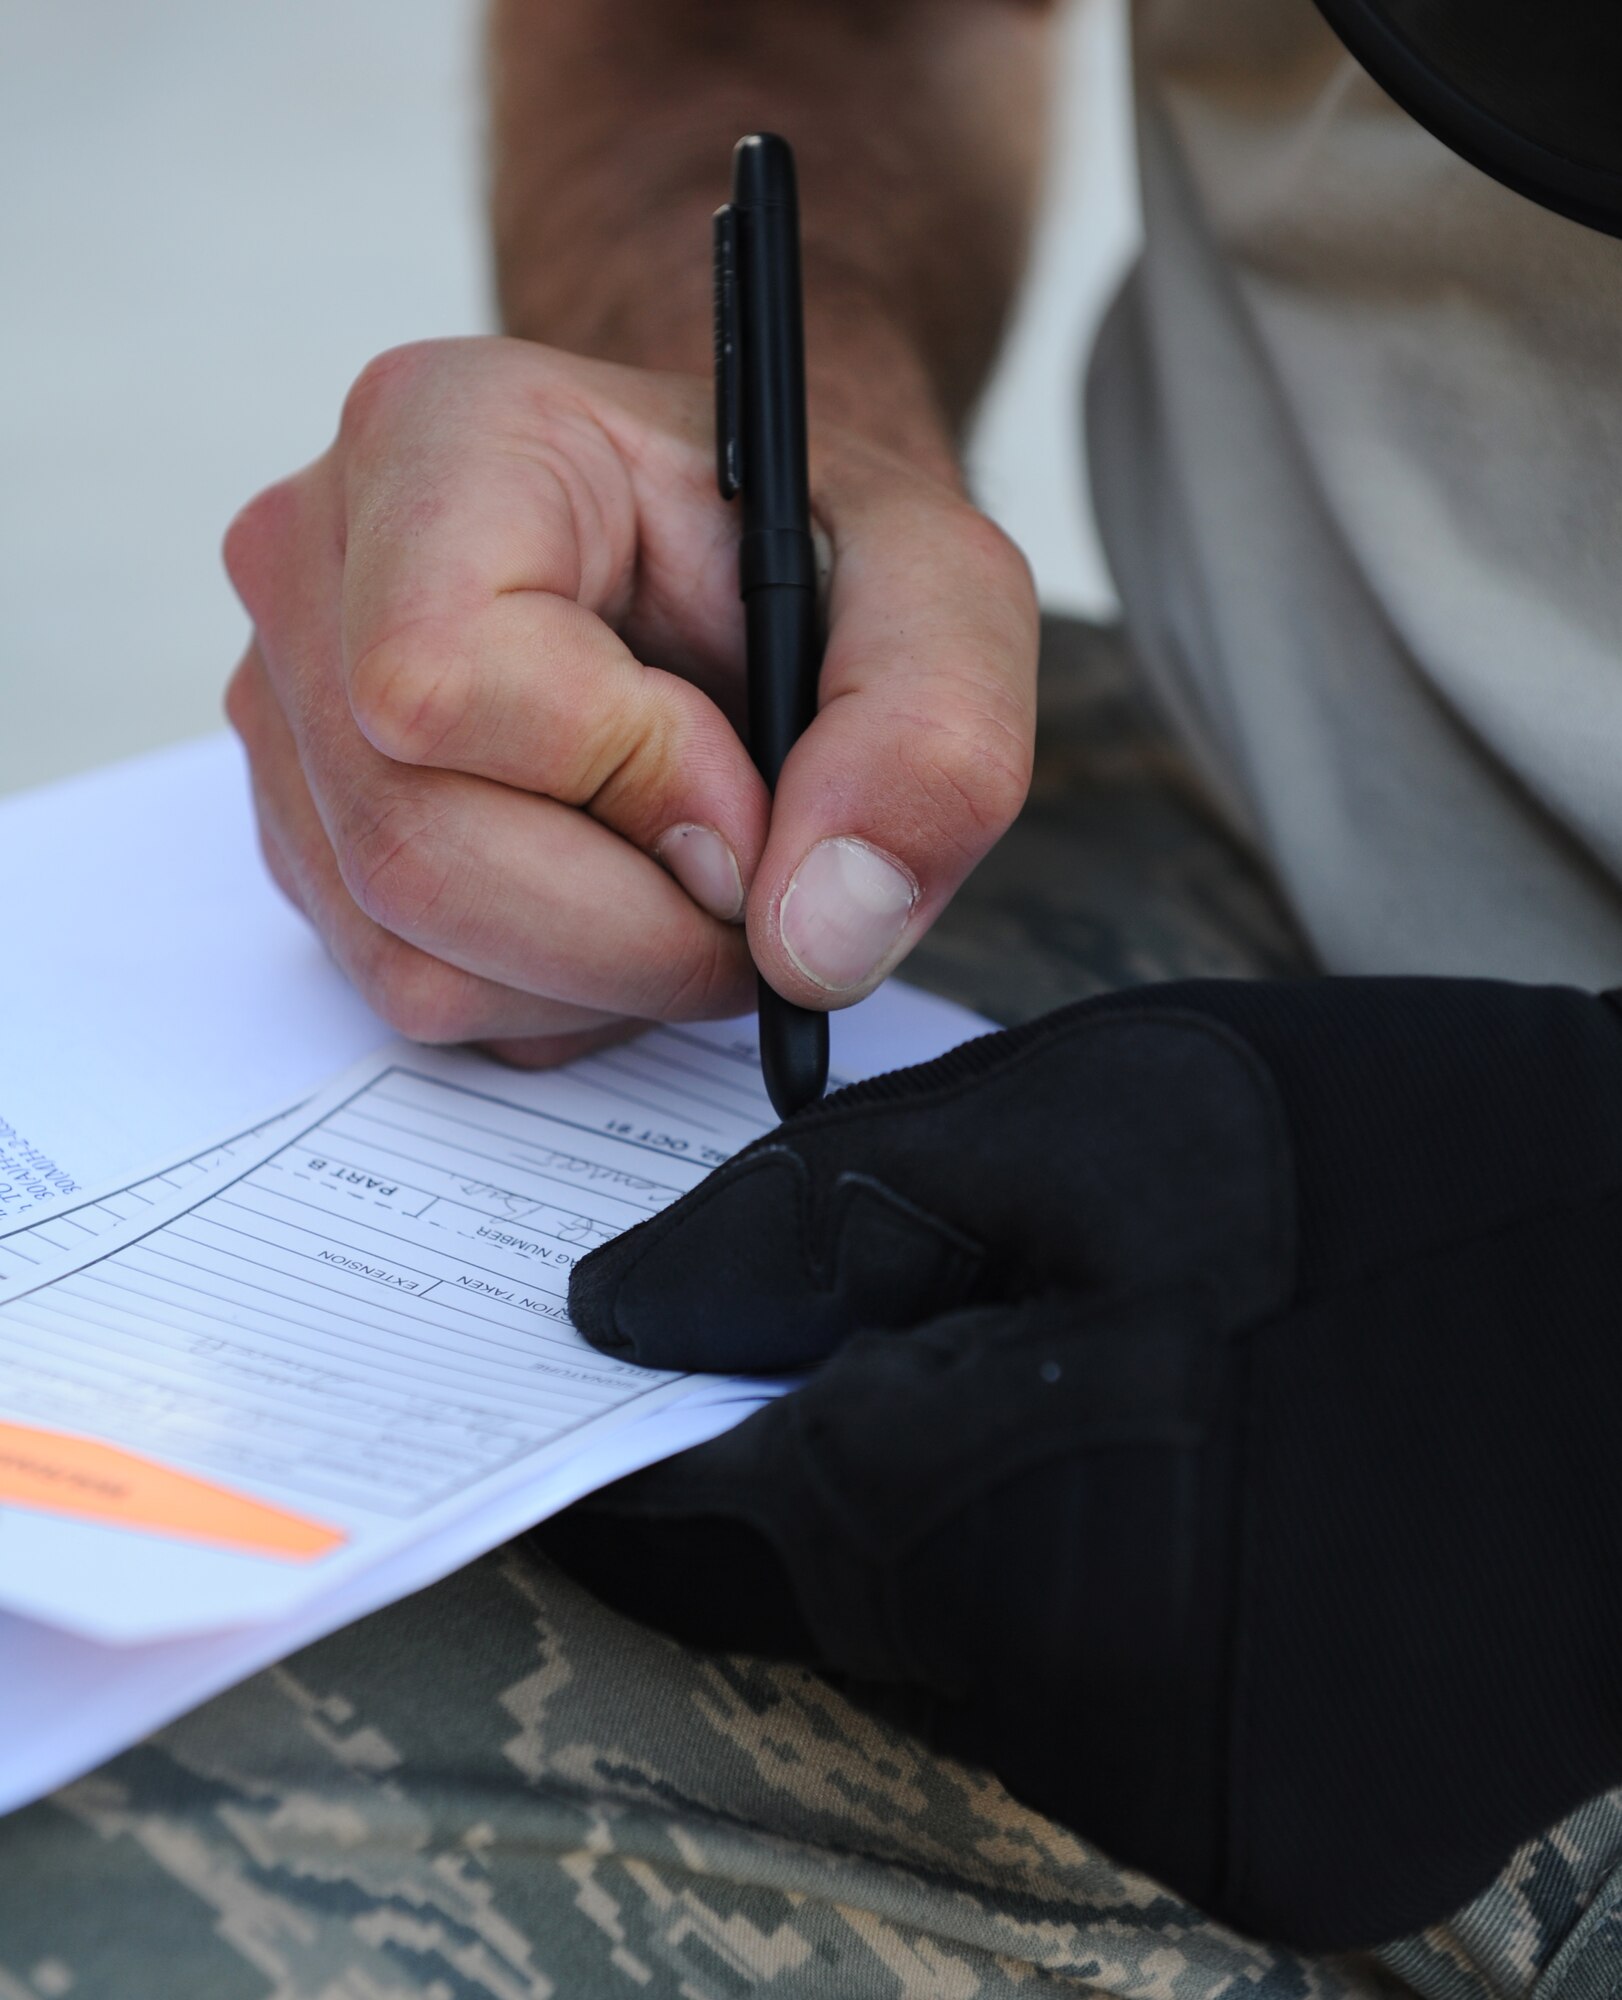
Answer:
(919, 126)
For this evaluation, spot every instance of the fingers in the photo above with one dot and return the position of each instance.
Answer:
(414, 993)
(742, 1276)
(504, 785)
(491, 542)
(522, 891)
(868, 1522)
(536, 693)
(530, 894)
(547, 1051)
(720, 1544)
(919, 757)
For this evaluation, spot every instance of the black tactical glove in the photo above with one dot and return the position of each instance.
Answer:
(1216, 1426)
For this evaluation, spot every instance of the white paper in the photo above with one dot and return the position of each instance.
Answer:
(157, 991)
(363, 1325)
(158, 997)
(46, 1234)
(69, 1703)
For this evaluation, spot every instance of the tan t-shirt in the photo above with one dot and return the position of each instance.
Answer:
(1356, 432)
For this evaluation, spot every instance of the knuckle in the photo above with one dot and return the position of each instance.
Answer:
(565, 757)
(250, 709)
(420, 997)
(380, 383)
(395, 863)
(971, 755)
(239, 703)
(697, 983)
(277, 867)
(616, 765)
(975, 776)
(407, 695)
(997, 555)
(253, 544)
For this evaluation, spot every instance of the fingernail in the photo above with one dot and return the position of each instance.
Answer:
(705, 867)
(843, 913)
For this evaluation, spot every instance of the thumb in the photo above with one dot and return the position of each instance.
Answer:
(919, 756)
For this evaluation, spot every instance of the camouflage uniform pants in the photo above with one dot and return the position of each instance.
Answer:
(497, 1790)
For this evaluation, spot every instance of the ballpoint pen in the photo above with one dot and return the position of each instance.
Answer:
(760, 438)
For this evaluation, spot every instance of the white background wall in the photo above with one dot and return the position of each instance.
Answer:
(215, 214)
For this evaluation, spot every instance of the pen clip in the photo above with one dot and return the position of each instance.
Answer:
(728, 468)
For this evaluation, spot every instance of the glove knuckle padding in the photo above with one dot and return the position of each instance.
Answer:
(1423, 1111)
(1087, 1155)
(1220, 1434)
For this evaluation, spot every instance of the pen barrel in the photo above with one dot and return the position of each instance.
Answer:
(771, 335)
(761, 442)
(784, 658)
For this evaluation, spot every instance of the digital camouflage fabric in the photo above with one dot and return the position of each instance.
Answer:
(498, 1790)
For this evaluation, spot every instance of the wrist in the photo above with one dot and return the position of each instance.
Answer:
(649, 306)
(866, 374)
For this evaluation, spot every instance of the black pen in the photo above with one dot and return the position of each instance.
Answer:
(761, 456)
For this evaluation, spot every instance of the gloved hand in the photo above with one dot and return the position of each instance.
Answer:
(1215, 1430)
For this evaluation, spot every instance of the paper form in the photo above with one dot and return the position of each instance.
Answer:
(28, 1174)
(152, 1008)
(61, 1230)
(224, 1005)
(70, 1703)
(158, 992)
(362, 1328)
(357, 1329)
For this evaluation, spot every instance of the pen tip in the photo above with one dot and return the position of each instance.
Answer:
(793, 1053)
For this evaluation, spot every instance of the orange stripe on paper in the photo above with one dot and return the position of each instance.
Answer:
(57, 1474)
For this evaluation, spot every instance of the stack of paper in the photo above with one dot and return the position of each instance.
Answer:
(272, 1380)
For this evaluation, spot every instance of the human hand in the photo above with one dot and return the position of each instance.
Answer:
(493, 699)
(1213, 1426)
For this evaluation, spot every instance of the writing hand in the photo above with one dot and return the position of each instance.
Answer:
(493, 699)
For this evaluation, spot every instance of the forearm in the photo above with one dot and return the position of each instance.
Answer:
(918, 125)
